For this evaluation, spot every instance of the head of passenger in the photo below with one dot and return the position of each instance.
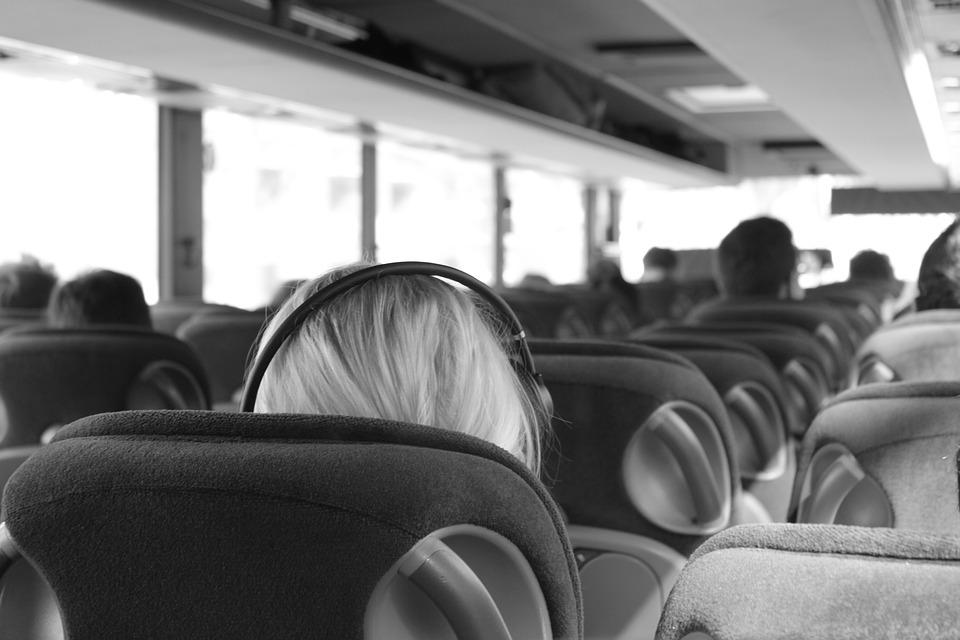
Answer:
(758, 259)
(870, 265)
(97, 298)
(659, 265)
(26, 285)
(535, 281)
(938, 284)
(406, 348)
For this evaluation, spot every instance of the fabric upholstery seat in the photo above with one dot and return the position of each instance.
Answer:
(804, 365)
(827, 324)
(10, 318)
(923, 346)
(49, 377)
(547, 313)
(216, 525)
(607, 314)
(883, 455)
(817, 582)
(757, 407)
(28, 609)
(644, 467)
(222, 341)
(167, 316)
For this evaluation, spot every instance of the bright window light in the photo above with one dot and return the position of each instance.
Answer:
(78, 178)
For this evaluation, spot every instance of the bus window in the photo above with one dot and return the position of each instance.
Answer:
(435, 206)
(78, 178)
(545, 232)
(281, 202)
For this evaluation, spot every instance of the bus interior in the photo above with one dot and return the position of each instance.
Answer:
(715, 466)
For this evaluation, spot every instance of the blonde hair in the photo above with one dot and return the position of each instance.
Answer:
(406, 348)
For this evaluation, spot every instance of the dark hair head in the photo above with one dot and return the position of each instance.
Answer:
(99, 297)
(871, 265)
(25, 285)
(757, 258)
(660, 258)
(938, 283)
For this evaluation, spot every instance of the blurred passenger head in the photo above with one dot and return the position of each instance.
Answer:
(26, 284)
(406, 348)
(535, 281)
(99, 297)
(938, 284)
(659, 264)
(603, 273)
(757, 258)
(871, 265)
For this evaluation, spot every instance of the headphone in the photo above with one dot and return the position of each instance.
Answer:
(522, 362)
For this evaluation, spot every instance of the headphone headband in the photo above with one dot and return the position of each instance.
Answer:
(337, 288)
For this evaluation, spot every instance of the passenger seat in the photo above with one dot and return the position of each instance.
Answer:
(922, 346)
(188, 524)
(883, 455)
(50, 377)
(816, 582)
(645, 469)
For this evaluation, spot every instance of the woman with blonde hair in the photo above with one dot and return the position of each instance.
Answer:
(410, 348)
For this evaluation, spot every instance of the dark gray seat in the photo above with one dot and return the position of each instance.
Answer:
(183, 524)
(883, 455)
(222, 342)
(923, 346)
(817, 582)
(50, 377)
(644, 467)
(28, 609)
(547, 313)
(825, 323)
(169, 315)
(757, 407)
(804, 365)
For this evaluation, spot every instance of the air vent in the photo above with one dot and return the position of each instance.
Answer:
(946, 5)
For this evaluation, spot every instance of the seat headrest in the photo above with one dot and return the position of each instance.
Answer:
(843, 582)
(207, 524)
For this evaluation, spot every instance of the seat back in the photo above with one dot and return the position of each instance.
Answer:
(826, 324)
(10, 318)
(923, 346)
(817, 582)
(222, 341)
(865, 300)
(883, 455)
(50, 377)
(547, 313)
(607, 314)
(757, 407)
(167, 316)
(28, 608)
(217, 525)
(644, 467)
(804, 365)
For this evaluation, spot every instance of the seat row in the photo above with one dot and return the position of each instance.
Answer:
(654, 455)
